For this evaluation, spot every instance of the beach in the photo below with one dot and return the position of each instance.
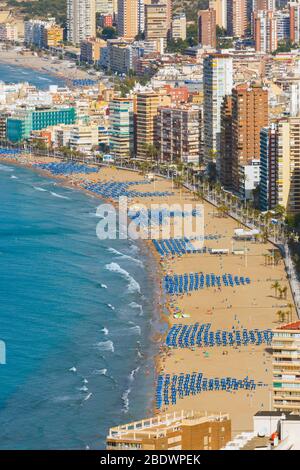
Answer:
(246, 306)
(58, 68)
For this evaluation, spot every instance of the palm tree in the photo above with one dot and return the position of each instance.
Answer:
(265, 236)
(284, 291)
(279, 315)
(266, 256)
(275, 286)
(276, 257)
(279, 211)
(280, 290)
(290, 306)
(151, 151)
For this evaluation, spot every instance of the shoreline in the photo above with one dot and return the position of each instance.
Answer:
(148, 250)
(37, 63)
(248, 306)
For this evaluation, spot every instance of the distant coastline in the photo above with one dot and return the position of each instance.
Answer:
(59, 70)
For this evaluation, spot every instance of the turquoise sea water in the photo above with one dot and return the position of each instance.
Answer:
(76, 314)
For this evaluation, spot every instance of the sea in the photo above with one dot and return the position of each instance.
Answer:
(77, 316)
(12, 74)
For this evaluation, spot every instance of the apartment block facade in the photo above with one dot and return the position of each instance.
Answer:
(249, 116)
(128, 18)
(121, 127)
(288, 164)
(265, 31)
(178, 133)
(217, 83)
(146, 115)
(207, 28)
(181, 430)
(268, 168)
(19, 126)
(236, 18)
(286, 367)
(81, 20)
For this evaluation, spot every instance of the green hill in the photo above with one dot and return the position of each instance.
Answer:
(189, 7)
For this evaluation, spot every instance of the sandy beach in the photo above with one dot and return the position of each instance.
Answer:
(249, 306)
(58, 67)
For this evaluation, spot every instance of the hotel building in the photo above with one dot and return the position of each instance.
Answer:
(294, 10)
(268, 168)
(220, 7)
(181, 430)
(81, 20)
(288, 164)
(286, 367)
(121, 127)
(249, 115)
(53, 35)
(20, 125)
(156, 28)
(236, 17)
(226, 143)
(128, 18)
(265, 31)
(179, 27)
(217, 82)
(146, 114)
(178, 133)
(90, 50)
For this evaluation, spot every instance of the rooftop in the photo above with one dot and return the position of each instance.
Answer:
(290, 326)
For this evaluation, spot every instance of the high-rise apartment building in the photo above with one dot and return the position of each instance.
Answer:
(288, 164)
(268, 168)
(90, 50)
(217, 82)
(181, 430)
(121, 127)
(53, 35)
(156, 21)
(207, 28)
(81, 20)
(128, 18)
(269, 5)
(226, 161)
(220, 7)
(42, 33)
(178, 133)
(249, 116)
(179, 27)
(294, 10)
(146, 115)
(236, 18)
(265, 31)
(282, 25)
(169, 12)
(286, 367)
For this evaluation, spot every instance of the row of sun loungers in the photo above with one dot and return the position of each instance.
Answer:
(199, 335)
(84, 82)
(175, 246)
(6, 152)
(66, 168)
(184, 283)
(114, 190)
(170, 388)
